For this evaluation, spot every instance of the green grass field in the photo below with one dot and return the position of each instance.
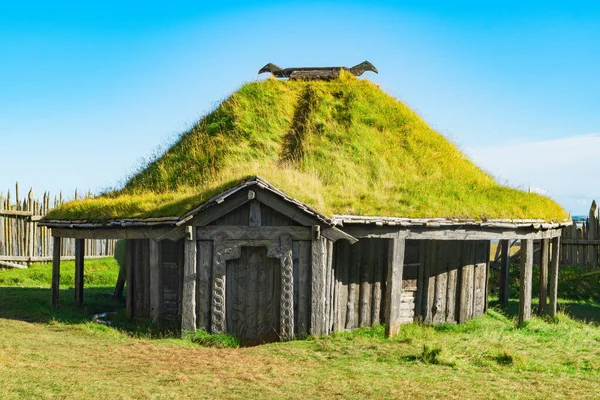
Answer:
(62, 354)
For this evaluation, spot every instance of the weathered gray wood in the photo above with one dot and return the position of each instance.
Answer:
(188, 299)
(453, 265)
(213, 213)
(366, 269)
(526, 280)
(5, 264)
(504, 272)
(544, 255)
(205, 257)
(331, 284)
(139, 282)
(252, 233)
(378, 280)
(353, 276)
(440, 282)
(420, 282)
(79, 271)
(466, 273)
(553, 275)
(326, 304)
(56, 272)
(156, 301)
(430, 281)
(317, 317)
(120, 233)
(304, 286)
(394, 287)
(129, 296)
(449, 233)
(255, 218)
(2, 228)
(479, 278)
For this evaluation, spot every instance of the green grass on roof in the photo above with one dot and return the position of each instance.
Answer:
(343, 147)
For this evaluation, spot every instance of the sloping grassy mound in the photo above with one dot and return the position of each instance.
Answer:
(343, 147)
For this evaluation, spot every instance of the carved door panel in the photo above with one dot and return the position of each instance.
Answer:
(253, 296)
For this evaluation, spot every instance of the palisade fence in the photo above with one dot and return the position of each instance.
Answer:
(581, 241)
(23, 242)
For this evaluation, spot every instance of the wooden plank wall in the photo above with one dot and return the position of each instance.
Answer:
(580, 242)
(23, 242)
(454, 275)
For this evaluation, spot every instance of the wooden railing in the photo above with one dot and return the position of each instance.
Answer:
(23, 242)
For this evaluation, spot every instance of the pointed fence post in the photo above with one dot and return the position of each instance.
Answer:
(526, 280)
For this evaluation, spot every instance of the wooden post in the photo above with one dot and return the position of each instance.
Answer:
(526, 280)
(2, 234)
(156, 309)
(129, 251)
(593, 234)
(317, 316)
(544, 253)
(79, 261)
(55, 271)
(466, 273)
(553, 286)
(393, 291)
(188, 303)
(504, 272)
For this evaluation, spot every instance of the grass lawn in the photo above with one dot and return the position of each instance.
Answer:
(46, 354)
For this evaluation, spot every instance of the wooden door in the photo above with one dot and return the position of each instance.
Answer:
(253, 296)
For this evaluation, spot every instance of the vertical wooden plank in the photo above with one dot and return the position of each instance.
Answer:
(466, 281)
(205, 257)
(156, 303)
(138, 272)
(440, 282)
(479, 278)
(453, 264)
(129, 295)
(188, 300)
(429, 281)
(55, 272)
(394, 286)
(593, 234)
(331, 285)
(79, 261)
(317, 315)
(365, 287)
(304, 257)
(326, 326)
(378, 278)
(255, 216)
(2, 232)
(504, 272)
(544, 255)
(420, 279)
(526, 280)
(354, 268)
(553, 275)
(145, 264)
(487, 274)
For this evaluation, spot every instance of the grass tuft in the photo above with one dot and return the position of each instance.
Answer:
(220, 341)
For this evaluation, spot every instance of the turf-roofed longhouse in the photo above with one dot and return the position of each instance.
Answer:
(310, 206)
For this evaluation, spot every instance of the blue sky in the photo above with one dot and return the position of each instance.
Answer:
(87, 91)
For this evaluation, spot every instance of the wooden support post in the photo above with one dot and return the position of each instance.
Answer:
(393, 291)
(553, 286)
(526, 280)
(504, 272)
(544, 255)
(55, 271)
(79, 261)
(129, 251)
(467, 272)
(317, 317)
(2, 234)
(156, 309)
(188, 303)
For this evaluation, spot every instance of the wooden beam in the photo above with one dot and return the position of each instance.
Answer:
(188, 303)
(252, 232)
(215, 212)
(56, 271)
(553, 275)
(449, 232)
(129, 251)
(544, 255)
(113, 233)
(393, 292)
(526, 280)
(504, 272)
(79, 264)
(156, 309)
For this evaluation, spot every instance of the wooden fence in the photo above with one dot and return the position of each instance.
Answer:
(581, 241)
(23, 242)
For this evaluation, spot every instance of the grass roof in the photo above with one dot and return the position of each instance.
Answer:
(342, 147)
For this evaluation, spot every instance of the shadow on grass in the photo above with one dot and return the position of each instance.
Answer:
(580, 310)
(33, 305)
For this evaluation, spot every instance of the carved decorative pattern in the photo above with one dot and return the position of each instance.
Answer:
(231, 249)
